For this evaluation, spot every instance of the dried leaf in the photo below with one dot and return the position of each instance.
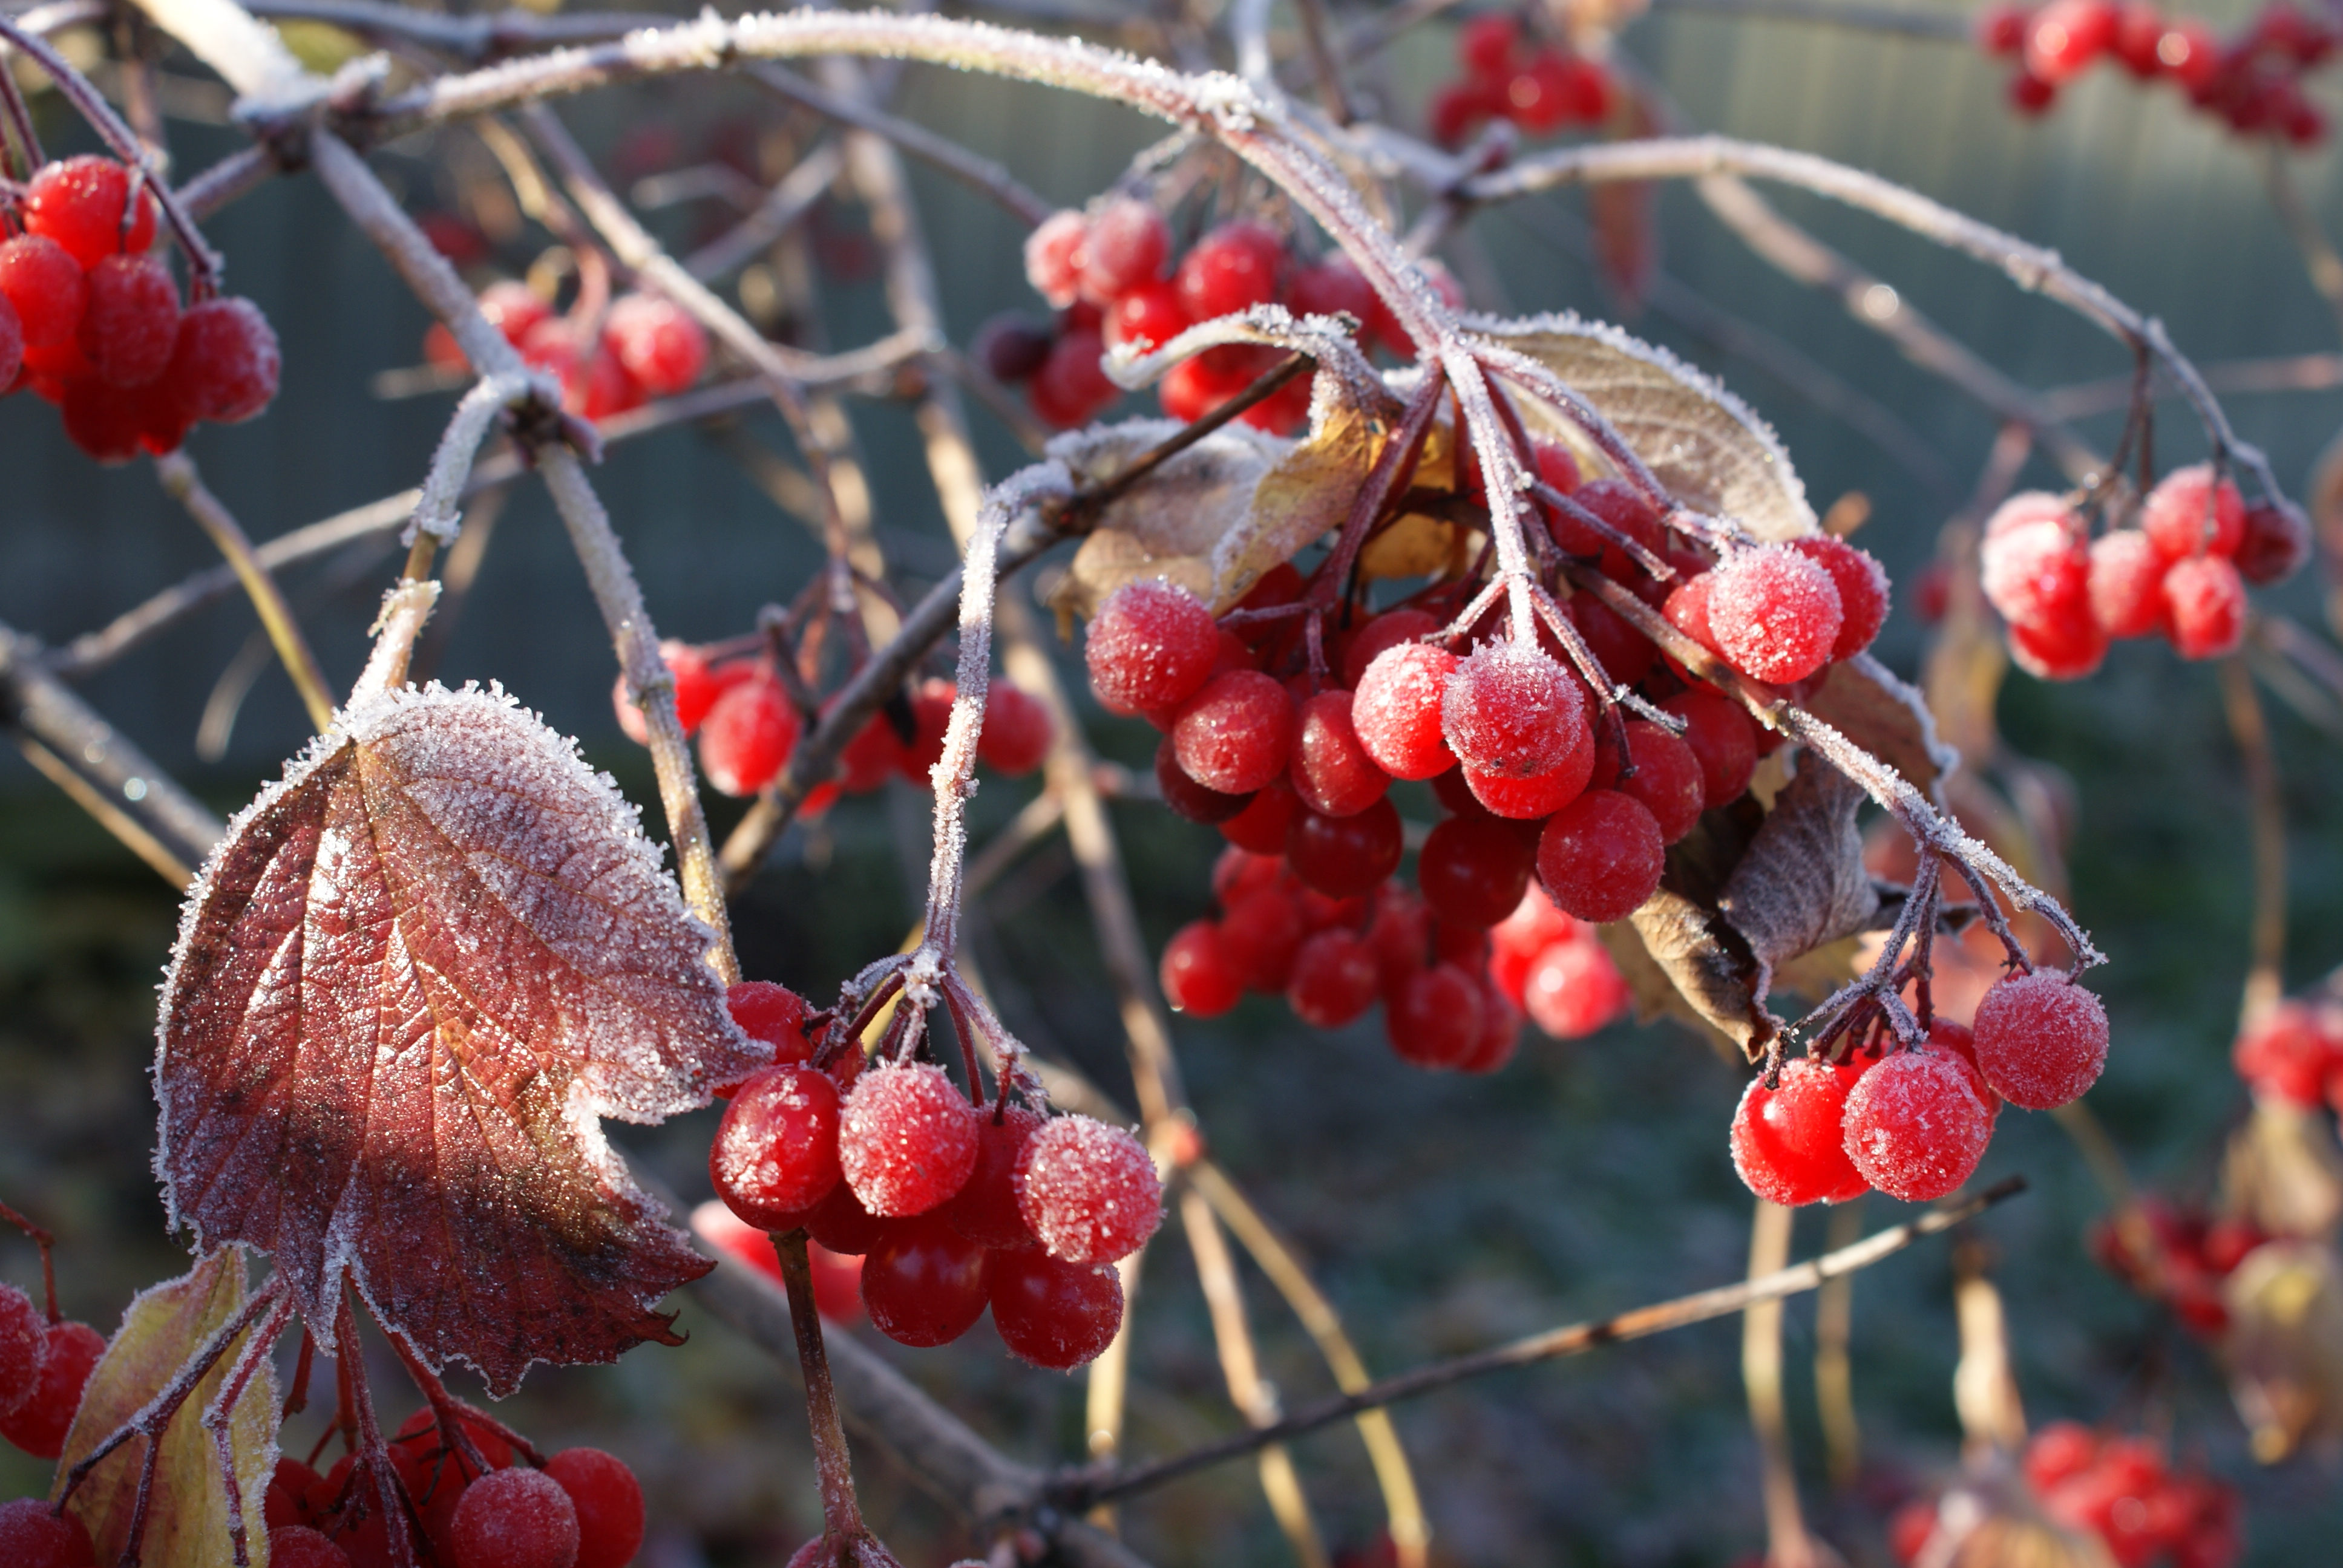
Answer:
(2283, 1349)
(1709, 968)
(1700, 441)
(2281, 1171)
(416, 974)
(1802, 882)
(186, 1517)
(1862, 699)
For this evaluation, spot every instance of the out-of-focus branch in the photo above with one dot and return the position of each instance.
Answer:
(1834, 1367)
(1944, 25)
(2275, 373)
(1787, 1545)
(2319, 259)
(2265, 976)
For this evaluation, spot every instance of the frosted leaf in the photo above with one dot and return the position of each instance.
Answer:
(415, 975)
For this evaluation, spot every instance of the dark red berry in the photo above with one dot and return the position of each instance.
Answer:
(1345, 857)
(1261, 826)
(1625, 654)
(298, 1546)
(1260, 933)
(1600, 857)
(2275, 545)
(1335, 979)
(1433, 1018)
(132, 322)
(518, 1518)
(1010, 347)
(842, 1224)
(1722, 736)
(1187, 799)
(224, 364)
(610, 1505)
(1863, 590)
(1668, 776)
(1335, 286)
(23, 1347)
(38, 1426)
(1071, 387)
(907, 1138)
(925, 1284)
(1050, 1314)
(1474, 873)
(1017, 730)
(80, 204)
(1199, 977)
(985, 1209)
(1330, 770)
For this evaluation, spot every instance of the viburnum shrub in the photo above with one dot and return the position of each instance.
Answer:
(1502, 664)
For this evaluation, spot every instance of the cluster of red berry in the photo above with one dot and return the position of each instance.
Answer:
(2177, 1257)
(45, 1361)
(1541, 88)
(583, 1509)
(1555, 969)
(2181, 573)
(91, 320)
(2120, 1489)
(2252, 84)
(952, 1206)
(1111, 275)
(1915, 1123)
(644, 347)
(748, 726)
(2294, 1055)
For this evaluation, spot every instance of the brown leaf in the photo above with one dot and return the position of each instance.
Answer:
(2284, 1347)
(2282, 1172)
(186, 1518)
(1802, 882)
(415, 976)
(1862, 699)
(1709, 968)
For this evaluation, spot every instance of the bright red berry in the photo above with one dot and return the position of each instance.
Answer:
(2030, 96)
(1666, 779)
(2066, 36)
(1600, 857)
(1123, 247)
(925, 1284)
(1396, 710)
(1150, 646)
(80, 204)
(225, 364)
(1017, 730)
(1233, 268)
(1433, 1018)
(1089, 1190)
(1510, 709)
(1052, 258)
(698, 685)
(2139, 27)
(1788, 1143)
(518, 1518)
(1199, 977)
(1624, 509)
(2036, 562)
(774, 1154)
(46, 287)
(1335, 979)
(1149, 317)
(773, 1014)
(1050, 1314)
(2186, 515)
(610, 1505)
(1345, 857)
(33, 1537)
(1541, 97)
(1571, 988)
(1473, 871)
(1913, 1129)
(1775, 613)
(1072, 388)
(1236, 733)
(2066, 647)
(38, 1426)
(2001, 29)
(132, 322)
(657, 342)
(747, 736)
(1863, 590)
(986, 1209)
(2288, 1056)
(2127, 584)
(1330, 769)
(907, 1138)
(2041, 1040)
(2205, 604)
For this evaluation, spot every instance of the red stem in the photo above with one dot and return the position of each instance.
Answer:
(841, 1514)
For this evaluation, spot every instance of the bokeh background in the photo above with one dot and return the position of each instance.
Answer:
(1440, 1213)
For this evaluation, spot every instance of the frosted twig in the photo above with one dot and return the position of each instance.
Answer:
(439, 509)
(218, 1417)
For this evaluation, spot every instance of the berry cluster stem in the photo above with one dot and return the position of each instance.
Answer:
(841, 1514)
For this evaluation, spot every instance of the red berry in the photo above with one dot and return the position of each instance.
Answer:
(1541, 96)
(23, 1347)
(774, 1154)
(1050, 1314)
(2035, 561)
(38, 1426)
(907, 1138)
(2139, 27)
(1787, 1143)
(1722, 736)
(1345, 857)
(1397, 709)
(298, 1546)
(842, 1225)
(1511, 710)
(1072, 388)
(1186, 798)
(773, 1014)
(2287, 1055)
(1540, 795)
(1328, 770)
(1335, 979)
(1473, 871)
(1913, 1129)
(747, 736)
(697, 686)
(1052, 258)
(1149, 317)
(1600, 856)
(986, 1209)
(2189, 51)
(1959, 1042)
(874, 756)
(1261, 826)
(2205, 601)
(1863, 590)
(46, 287)
(1260, 933)
(924, 1286)
(2066, 36)
(132, 323)
(1667, 778)
(2127, 584)
(1089, 1190)
(610, 1505)
(1486, 44)
(2067, 648)
(33, 1537)
(1335, 286)
(1571, 988)
(2059, 1451)
(2030, 96)
(1387, 630)
(1017, 730)
(1199, 977)
(1123, 247)
(2185, 515)
(2275, 545)
(1625, 654)
(1433, 1018)
(1188, 390)
(1236, 733)
(1626, 509)
(1150, 646)
(518, 1518)
(657, 342)
(1010, 347)
(1775, 613)
(512, 308)
(80, 204)
(931, 705)
(225, 364)
(1456, 112)
(2001, 29)
(2041, 1039)
(1233, 268)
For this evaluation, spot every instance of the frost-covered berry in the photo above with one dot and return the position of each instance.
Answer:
(225, 364)
(38, 1426)
(1236, 733)
(2205, 605)
(1914, 1128)
(2041, 1040)
(2035, 564)
(1150, 646)
(1788, 1142)
(1601, 856)
(516, 1518)
(131, 321)
(1232, 268)
(2067, 647)
(1775, 613)
(1861, 584)
(1089, 1190)
(1071, 386)
(1540, 795)
(1052, 258)
(1510, 709)
(907, 1138)
(33, 1537)
(1389, 629)
(1123, 247)
(2127, 584)
(46, 287)
(1050, 1314)
(298, 1546)
(2186, 515)
(1329, 768)
(23, 1346)
(1396, 710)
(775, 1154)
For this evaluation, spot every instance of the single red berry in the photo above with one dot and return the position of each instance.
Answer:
(773, 1014)
(907, 1138)
(80, 204)
(1072, 388)
(1486, 44)
(33, 1537)
(1863, 590)
(1666, 779)
(2191, 53)
(1775, 613)
(610, 1505)
(1474, 873)
(1017, 730)
(1089, 1190)
(2066, 36)
(1186, 798)
(1262, 932)
(657, 342)
(1456, 112)
(1433, 1018)
(925, 1284)
(1150, 646)
(1687, 609)
(1199, 977)
(2066, 647)
(1233, 268)
(46, 287)
(132, 323)
(1396, 710)
(2041, 1039)
(1335, 979)
(1010, 347)
(512, 308)
(1542, 98)
(2000, 30)
(1328, 770)
(2186, 515)
(1959, 1042)
(1510, 709)
(1501, 1032)
(1788, 1143)
(1236, 733)
(1387, 630)
(1261, 826)
(2205, 604)
(1625, 654)
(2035, 561)
(1335, 287)
(1345, 857)
(842, 1225)
(1050, 1314)
(2127, 584)
(1600, 857)
(874, 756)
(1149, 317)
(2275, 545)
(1124, 248)
(986, 1209)
(23, 1347)
(698, 685)
(38, 1426)
(747, 736)
(2288, 1056)
(2139, 27)
(1052, 258)
(1914, 1130)
(225, 364)
(298, 1546)
(1571, 988)
(1722, 736)
(518, 1518)
(774, 1154)
(1188, 390)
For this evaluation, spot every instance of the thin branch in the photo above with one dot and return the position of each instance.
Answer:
(230, 180)
(2319, 260)
(1787, 1545)
(2266, 975)
(795, 195)
(1941, 26)
(1574, 1340)
(2276, 373)
(1833, 1369)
